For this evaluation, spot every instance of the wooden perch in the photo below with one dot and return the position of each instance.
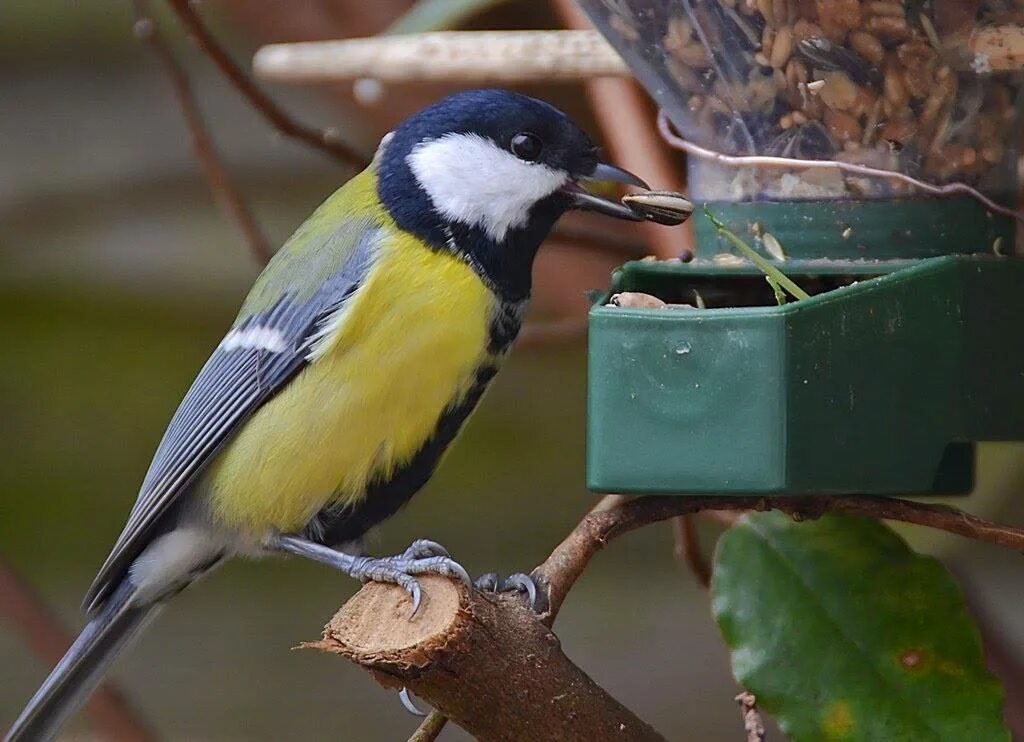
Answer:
(486, 662)
(492, 57)
(479, 57)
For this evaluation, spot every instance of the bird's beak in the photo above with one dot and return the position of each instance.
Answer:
(604, 173)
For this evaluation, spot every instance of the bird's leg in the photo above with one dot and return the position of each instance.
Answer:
(421, 558)
(514, 583)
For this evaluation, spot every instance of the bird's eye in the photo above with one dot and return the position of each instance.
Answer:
(526, 146)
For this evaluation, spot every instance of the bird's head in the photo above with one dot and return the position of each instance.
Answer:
(486, 173)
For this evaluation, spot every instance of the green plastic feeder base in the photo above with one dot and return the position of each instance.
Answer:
(881, 386)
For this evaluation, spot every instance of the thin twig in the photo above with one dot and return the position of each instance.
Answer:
(326, 140)
(687, 549)
(430, 728)
(570, 558)
(753, 724)
(30, 617)
(217, 178)
(790, 163)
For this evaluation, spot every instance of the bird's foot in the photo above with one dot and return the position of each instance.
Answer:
(402, 570)
(421, 558)
(514, 583)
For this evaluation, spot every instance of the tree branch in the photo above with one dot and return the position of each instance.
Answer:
(559, 572)
(217, 178)
(493, 666)
(29, 615)
(325, 140)
(483, 661)
(428, 730)
(687, 549)
(753, 724)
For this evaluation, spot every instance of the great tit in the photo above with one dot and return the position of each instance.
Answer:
(355, 360)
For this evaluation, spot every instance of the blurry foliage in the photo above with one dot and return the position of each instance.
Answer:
(32, 29)
(842, 632)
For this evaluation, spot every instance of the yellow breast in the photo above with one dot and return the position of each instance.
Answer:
(406, 348)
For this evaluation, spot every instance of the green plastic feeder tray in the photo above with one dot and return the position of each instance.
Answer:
(880, 383)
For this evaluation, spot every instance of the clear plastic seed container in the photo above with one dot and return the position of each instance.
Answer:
(928, 88)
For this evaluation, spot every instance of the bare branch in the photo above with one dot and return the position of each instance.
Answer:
(432, 726)
(478, 57)
(753, 724)
(559, 572)
(217, 178)
(29, 616)
(325, 140)
(687, 549)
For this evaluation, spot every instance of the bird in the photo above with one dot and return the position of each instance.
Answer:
(355, 360)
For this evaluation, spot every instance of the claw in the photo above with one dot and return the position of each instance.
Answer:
(487, 582)
(422, 547)
(412, 586)
(518, 582)
(522, 583)
(422, 557)
(407, 703)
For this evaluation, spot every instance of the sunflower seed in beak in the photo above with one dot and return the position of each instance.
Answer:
(661, 207)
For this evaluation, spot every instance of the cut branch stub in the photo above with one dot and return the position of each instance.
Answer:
(486, 662)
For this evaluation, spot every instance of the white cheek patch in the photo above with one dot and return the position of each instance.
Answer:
(254, 338)
(472, 180)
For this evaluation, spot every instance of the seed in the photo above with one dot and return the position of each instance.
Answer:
(782, 49)
(885, 8)
(796, 73)
(780, 11)
(992, 154)
(867, 46)
(837, 17)
(839, 92)
(893, 88)
(662, 207)
(842, 126)
(917, 83)
(804, 29)
(772, 246)
(871, 125)
(636, 300)
(914, 54)
(896, 131)
(888, 28)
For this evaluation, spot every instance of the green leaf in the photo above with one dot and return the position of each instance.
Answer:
(844, 633)
(439, 15)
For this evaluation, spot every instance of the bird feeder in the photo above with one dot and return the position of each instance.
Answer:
(908, 351)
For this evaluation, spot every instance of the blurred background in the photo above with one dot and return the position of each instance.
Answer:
(118, 275)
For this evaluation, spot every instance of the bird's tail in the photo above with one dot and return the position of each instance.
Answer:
(82, 668)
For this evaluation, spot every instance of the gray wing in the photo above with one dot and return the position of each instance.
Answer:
(256, 359)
